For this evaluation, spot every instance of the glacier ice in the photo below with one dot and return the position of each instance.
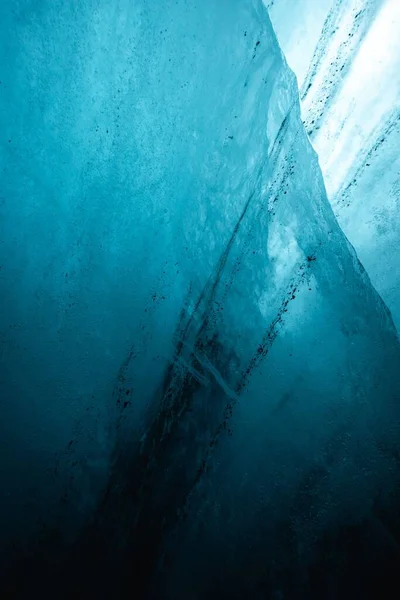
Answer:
(199, 382)
(346, 56)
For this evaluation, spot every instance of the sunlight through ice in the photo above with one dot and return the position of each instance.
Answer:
(370, 90)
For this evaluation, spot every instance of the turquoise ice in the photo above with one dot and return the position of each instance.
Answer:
(195, 364)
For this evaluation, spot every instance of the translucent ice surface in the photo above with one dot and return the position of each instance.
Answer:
(346, 55)
(199, 384)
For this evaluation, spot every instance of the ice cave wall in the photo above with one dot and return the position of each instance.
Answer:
(175, 286)
(346, 55)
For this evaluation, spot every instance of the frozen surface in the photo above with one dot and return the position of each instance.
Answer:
(346, 55)
(198, 380)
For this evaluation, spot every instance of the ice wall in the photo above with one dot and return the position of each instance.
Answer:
(199, 384)
(346, 55)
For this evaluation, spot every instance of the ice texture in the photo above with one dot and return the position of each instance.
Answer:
(199, 383)
(346, 56)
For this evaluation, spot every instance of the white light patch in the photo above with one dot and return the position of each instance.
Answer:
(370, 90)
